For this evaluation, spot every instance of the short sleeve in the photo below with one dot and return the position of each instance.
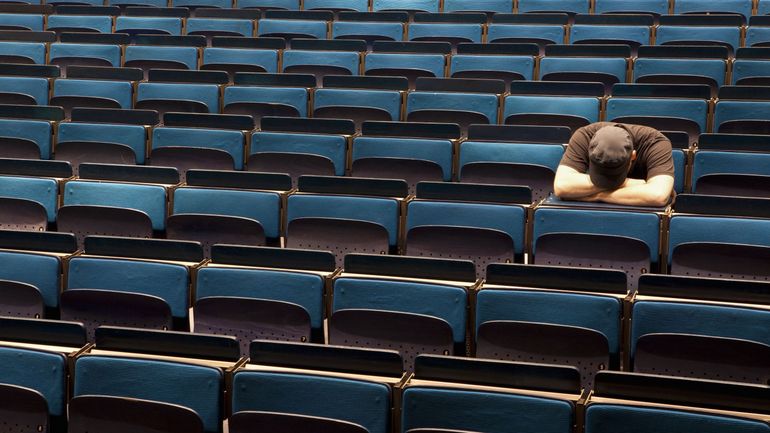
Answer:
(576, 154)
(659, 158)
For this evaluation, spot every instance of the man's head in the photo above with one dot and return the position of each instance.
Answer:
(610, 153)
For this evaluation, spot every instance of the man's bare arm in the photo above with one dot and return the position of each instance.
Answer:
(570, 184)
(656, 191)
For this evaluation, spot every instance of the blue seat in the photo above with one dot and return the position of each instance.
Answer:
(763, 7)
(363, 30)
(22, 22)
(557, 231)
(634, 33)
(23, 52)
(585, 107)
(154, 3)
(167, 281)
(388, 101)
(553, 33)
(328, 151)
(263, 207)
(714, 69)
(458, 409)
(25, 367)
(410, 159)
(497, 6)
(613, 66)
(132, 136)
(453, 32)
(659, 7)
(118, 91)
(695, 110)
(520, 67)
(363, 402)
(412, 5)
(163, 25)
(183, 57)
(297, 28)
(351, 5)
(206, 94)
(219, 26)
(222, 140)
(296, 97)
(109, 53)
(432, 64)
(738, 110)
(743, 7)
(330, 62)
(477, 158)
(36, 131)
(101, 24)
(39, 269)
(446, 303)
(226, 4)
(576, 315)
(197, 387)
(708, 162)
(679, 33)
(150, 199)
(267, 60)
(36, 88)
(574, 6)
(269, 4)
(757, 34)
(304, 289)
(482, 103)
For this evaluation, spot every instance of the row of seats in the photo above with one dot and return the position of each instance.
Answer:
(659, 7)
(463, 28)
(117, 386)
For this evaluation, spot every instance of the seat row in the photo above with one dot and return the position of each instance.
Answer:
(412, 305)
(171, 390)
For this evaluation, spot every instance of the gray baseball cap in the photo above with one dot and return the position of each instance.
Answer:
(609, 155)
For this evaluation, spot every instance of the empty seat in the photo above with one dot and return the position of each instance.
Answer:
(593, 63)
(368, 30)
(101, 143)
(31, 22)
(700, 29)
(444, 100)
(742, 7)
(731, 165)
(71, 93)
(520, 316)
(289, 29)
(23, 52)
(468, 222)
(385, 60)
(742, 109)
(681, 65)
(261, 95)
(81, 23)
(337, 5)
(282, 148)
(204, 96)
(219, 26)
(496, 6)
(364, 222)
(493, 62)
(552, 103)
(240, 60)
(658, 7)
(269, 4)
(446, 399)
(321, 63)
(263, 302)
(758, 32)
(750, 67)
(356, 396)
(676, 333)
(454, 32)
(414, 325)
(506, 155)
(197, 387)
(408, 5)
(359, 98)
(35, 181)
(560, 234)
(571, 6)
(25, 138)
(228, 208)
(541, 29)
(84, 54)
(611, 29)
(155, 25)
(146, 56)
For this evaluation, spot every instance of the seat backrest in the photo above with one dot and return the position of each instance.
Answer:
(328, 146)
(197, 387)
(32, 86)
(547, 155)
(185, 55)
(486, 104)
(549, 32)
(167, 281)
(120, 91)
(348, 60)
(150, 199)
(27, 21)
(585, 107)
(615, 66)
(40, 190)
(356, 5)
(418, 5)
(203, 25)
(659, 7)
(739, 110)
(692, 109)
(102, 24)
(296, 97)
(712, 68)
(229, 141)
(523, 65)
(44, 372)
(134, 136)
(693, 228)
(708, 162)
(676, 33)
(635, 33)
(33, 51)
(111, 53)
(437, 151)
(37, 131)
(205, 93)
(501, 6)
(387, 100)
(350, 29)
(267, 59)
(433, 63)
(575, 6)
(171, 25)
(743, 7)
(469, 32)
(306, 28)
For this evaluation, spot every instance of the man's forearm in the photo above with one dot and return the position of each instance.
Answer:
(635, 195)
(575, 186)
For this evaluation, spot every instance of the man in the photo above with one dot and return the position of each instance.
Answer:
(617, 163)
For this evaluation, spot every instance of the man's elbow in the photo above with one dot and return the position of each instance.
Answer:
(660, 199)
(560, 188)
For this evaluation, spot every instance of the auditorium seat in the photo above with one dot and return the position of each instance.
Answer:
(79, 23)
(655, 7)
(209, 26)
(200, 141)
(626, 239)
(632, 30)
(682, 65)
(32, 22)
(541, 29)
(337, 5)
(124, 3)
(722, 30)
(269, 4)
(26, 131)
(750, 67)
(554, 315)
(149, 56)
(300, 146)
(196, 387)
(103, 143)
(676, 332)
(406, 5)
(235, 60)
(743, 110)
(763, 7)
(117, 283)
(740, 7)
(360, 98)
(606, 64)
(64, 55)
(488, 396)
(507, 62)
(263, 293)
(720, 237)
(481, 223)
(34, 185)
(22, 52)
(553, 103)
(570, 6)
(290, 29)
(71, 93)
(345, 215)
(321, 58)
(407, 59)
(261, 94)
(488, 6)
(228, 208)
(355, 389)
(148, 25)
(623, 399)
(411, 314)
(445, 27)
(758, 32)
(34, 259)
(177, 91)
(369, 27)
(513, 155)
(117, 200)
(732, 165)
